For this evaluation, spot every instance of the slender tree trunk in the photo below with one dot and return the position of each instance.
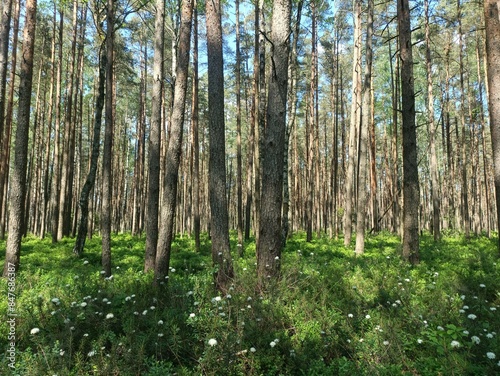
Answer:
(463, 155)
(153, 196)
(239, 172)
(356, 86)
(411, 194)
(174, 147)
(483, 141)
(253, 163)
(195, 130)
(221, 254)
(18, 180)
(492, 20)
(56, 174)
(292, 112)
(6, 16)
(270, 243)
(5, 137)
(364, 128)
(107, 158)
(436, 217)
(66, 165)
(94, 159)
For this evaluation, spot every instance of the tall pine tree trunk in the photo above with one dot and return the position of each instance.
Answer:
(153, 195)
(436, 217)
(270, 243)
(219, 229)
(411, 194)
(174, 147)
(195, 130)
(94, 159)
(363, 144)
(492, 20)
(18, 180)
(107, 158)
(356, 86)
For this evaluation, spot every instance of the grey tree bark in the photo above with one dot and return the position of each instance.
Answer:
(174, 148)
(270, 242)
(411, 194)
(18, 179)
(107, 157)
(356, 87)
(94, 158)
(219, 230)
(153, 195)
(363, 143)
(492, 21)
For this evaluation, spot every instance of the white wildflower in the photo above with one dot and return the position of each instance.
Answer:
(455, 344)
(35, 331)
(109, 316)
(212, 342)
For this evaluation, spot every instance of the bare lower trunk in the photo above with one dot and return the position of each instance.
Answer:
(411, 194)
(174, 148)
(18, 180)
(91, 177)
(492, 19)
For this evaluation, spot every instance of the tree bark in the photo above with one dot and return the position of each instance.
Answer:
(492, 21)
(153, 198)
(6, 16)
(18, 180)
(219, 229)
(270, 243)
(239, 172)
(356, 86)
(94, 159)
(411, 194)
(107, 158)
(195, 130)
(174, 148)
(363, 144)
(436, 216)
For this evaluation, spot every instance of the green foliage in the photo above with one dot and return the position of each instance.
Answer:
(330, 313)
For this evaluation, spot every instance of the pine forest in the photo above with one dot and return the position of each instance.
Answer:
(250, 187)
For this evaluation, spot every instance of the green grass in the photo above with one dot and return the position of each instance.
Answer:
(330, 314)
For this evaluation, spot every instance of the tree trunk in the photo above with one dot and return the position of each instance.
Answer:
(356, 86)
(463, 154)
(174, 148)
(292, 112)
(56, 174)
(107, 157)
(270, 243)
(153, 196)
(18, 180)
(4, 56)
(221, 254)
(239, 172)
(94, 159)
(492, 20)
(364, 128)
(436, 217)
(411, 194)
(195, 130)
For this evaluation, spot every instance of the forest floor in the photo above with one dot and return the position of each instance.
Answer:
(331, 313)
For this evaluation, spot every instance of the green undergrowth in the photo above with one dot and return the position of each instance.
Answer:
(331, 313)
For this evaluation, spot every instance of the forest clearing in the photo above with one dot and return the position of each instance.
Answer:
(266, 187)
